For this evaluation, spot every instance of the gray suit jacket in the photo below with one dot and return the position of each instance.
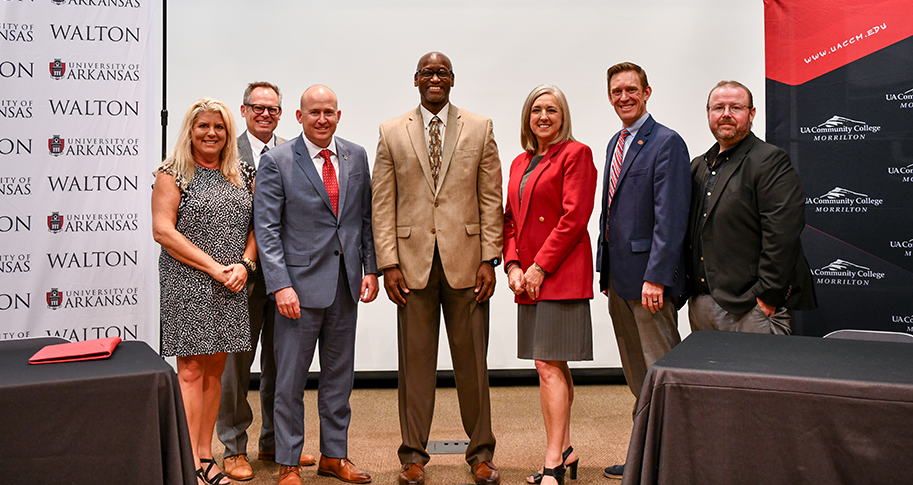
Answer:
(298, 235)
(244, 147)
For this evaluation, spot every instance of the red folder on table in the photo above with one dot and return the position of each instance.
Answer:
(73, 351)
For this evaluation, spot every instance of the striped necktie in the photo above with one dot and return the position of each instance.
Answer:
(617, 159)
(616, 164)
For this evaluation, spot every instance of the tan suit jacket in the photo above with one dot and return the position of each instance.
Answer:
(463, 215)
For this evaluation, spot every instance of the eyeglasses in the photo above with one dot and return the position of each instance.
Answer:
(735, 109)
(441, 73)
(259, 108)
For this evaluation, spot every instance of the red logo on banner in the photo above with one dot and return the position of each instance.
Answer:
(55, 145)
(55, 222)
(58, 69)
(53, 299)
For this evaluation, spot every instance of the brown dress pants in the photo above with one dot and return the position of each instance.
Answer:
(418, 324)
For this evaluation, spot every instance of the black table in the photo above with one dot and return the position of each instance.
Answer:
(734, 408)
(113, 421)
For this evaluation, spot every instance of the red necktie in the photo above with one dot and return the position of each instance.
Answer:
(616, 164)
(329, 180)
(616, 170)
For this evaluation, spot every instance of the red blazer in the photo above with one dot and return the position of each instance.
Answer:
(549, 227)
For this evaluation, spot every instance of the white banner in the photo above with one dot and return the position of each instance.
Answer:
(78, 142)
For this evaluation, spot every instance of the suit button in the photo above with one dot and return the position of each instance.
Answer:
(433, 231)
(541, 219)
(517, 250)
(702, 280)
(435, 203)
(335, 253)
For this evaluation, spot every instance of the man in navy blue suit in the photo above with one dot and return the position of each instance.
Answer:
(640, 253)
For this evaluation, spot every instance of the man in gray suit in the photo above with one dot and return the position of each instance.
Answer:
(261, 109)
(315, 239)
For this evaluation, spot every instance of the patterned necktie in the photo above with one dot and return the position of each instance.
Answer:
(616, 164)
(616, 170)
(434, 148)
(329, 180)
(265, 149)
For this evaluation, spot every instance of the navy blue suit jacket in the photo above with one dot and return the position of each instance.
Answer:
(298, 235)
(649, 214)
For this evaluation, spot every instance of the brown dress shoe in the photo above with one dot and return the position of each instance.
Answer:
(237, 468)
(289, 475)
(485, 473)
(306, 460)
(412, 474)
(342, 469)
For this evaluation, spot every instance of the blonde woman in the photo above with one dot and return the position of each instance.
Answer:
(549, 263)
(201, 216)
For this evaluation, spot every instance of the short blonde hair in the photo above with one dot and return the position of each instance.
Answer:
(527, 139)
(181, 160)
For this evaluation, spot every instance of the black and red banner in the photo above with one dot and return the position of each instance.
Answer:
(840, 101)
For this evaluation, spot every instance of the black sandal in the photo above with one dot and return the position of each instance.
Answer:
(557, 472)
(572, 467)
(216, 480)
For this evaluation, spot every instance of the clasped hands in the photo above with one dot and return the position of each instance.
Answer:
(530, 281)
(233, 276)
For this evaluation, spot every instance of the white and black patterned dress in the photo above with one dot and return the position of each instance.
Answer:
(200, 315)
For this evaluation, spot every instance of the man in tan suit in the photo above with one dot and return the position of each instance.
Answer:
(438, 231)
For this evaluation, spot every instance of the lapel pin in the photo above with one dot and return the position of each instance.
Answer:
(640, 142)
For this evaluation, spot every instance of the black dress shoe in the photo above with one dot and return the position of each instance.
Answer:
(615, 471)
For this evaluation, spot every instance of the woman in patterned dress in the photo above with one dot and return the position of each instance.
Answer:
(201, 216)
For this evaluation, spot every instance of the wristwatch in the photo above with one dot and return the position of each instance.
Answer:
(250, 263)
(494, 262)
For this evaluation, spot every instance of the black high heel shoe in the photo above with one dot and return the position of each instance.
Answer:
(204, 474)
(572, 467)
(557, 472)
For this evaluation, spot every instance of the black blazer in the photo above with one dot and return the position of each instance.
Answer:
(751, 236)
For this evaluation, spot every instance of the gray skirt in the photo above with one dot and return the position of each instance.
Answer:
(555, 330)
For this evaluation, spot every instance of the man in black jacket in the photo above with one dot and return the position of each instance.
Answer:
(747, 268)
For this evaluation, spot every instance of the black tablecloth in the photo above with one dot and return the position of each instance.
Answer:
(727, 407)
(113, 421)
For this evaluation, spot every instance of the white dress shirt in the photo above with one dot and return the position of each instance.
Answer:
(314, 152)
(427, 116)
(256, 146)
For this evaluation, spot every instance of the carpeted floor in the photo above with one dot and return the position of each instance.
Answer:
(600, 429)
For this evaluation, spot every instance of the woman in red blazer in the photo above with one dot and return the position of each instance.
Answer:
(549, 262)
